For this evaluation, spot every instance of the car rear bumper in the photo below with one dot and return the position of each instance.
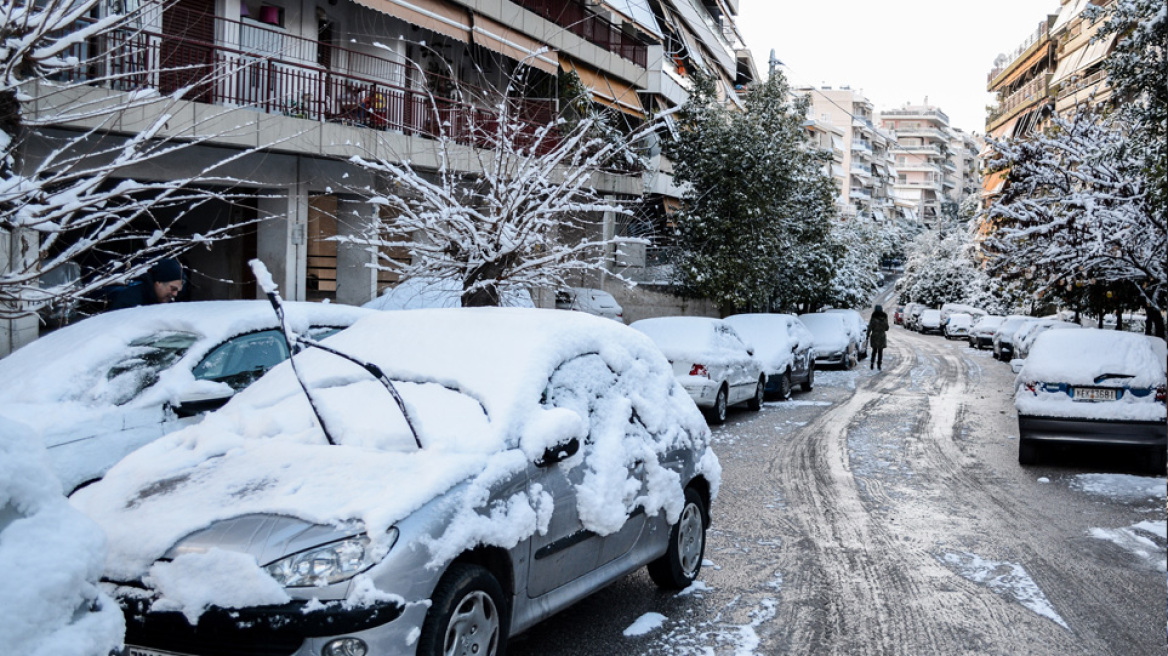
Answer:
(1092, 431)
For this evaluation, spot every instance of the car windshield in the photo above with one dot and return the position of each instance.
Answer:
(239, 361)
(145, 359)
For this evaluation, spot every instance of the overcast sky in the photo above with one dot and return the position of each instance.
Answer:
(895, 51)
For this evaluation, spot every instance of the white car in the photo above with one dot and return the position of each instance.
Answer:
(711, 361)
(981, 335)
(958, 325)
(857, 329)
(783, 345)
(1093, 386)
(833, 344)
(1003, 342)
(592, 301)
(433, 293)
(500, 465)
(1030, 331)
(930, 322)
(100, 388)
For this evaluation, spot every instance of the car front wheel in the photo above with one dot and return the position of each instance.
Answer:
(785, 385)
(467, 615)
(682, 561)
(755, 402)
(810, 382)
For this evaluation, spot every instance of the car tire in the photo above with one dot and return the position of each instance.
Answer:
(717, 414)
(755, 402)
(468, 607)
(682, 562)
(1027, 452)
(850, 358)
(1158, 461)
(785, 385)
(810, 382)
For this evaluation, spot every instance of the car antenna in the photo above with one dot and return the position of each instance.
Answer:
(290, 338)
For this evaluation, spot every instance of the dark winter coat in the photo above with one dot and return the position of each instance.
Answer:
(878, 330)
(138, 292)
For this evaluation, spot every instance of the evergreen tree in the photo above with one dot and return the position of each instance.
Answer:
(757, 206)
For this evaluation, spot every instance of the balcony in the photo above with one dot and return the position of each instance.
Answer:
(1029, 94)
(272, 71)
(574, 16)
(918, 112)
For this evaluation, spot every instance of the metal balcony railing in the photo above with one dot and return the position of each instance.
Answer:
(248, 65)
(577, 18)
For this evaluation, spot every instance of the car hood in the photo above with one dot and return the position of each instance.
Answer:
(146, 517)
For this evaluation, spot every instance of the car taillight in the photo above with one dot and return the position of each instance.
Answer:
(699, 370)
(1160, 394)
(1031, 387)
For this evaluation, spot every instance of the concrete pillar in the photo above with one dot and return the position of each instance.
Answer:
(356, 277)
(16, 253)
(281, 238)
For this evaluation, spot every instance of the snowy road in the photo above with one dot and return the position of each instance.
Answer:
(885, 513)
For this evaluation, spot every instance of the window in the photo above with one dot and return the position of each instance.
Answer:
(241, 360)
(146, 358)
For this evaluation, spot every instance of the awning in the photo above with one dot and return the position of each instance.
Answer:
(607, 91)
(1097, 51)
(638, 12)
(434, 15)
(1067, 66)
(837, 143)
(509, 43)
(992, 184)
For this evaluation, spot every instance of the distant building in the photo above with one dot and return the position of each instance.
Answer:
(926, 173)
(842, 119)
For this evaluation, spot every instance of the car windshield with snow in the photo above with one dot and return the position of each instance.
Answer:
(541, 455)
(710, 360)
(981, 335)
(833, 344)
(783, 345)
(100, 388)
(1092, 386)
(930, 322)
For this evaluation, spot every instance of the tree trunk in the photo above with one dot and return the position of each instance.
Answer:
(1155, 321)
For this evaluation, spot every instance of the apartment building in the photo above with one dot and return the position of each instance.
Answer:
(1079, 76)
(312, 83)
(841, 119)
(926, 173)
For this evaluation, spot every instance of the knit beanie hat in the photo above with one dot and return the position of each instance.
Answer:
(879, 308)
(166, 270)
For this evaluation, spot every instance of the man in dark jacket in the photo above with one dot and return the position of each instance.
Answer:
(877, 337)
(161, 284)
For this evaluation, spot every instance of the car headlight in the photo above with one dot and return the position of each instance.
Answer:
(326, 564)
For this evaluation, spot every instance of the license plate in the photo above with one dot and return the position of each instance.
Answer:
(131, 650)
(1094, 394)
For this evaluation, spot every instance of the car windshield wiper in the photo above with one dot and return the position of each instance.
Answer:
(291, 338)
(1102, 377)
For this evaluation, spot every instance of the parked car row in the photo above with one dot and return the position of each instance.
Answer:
(1074, 385)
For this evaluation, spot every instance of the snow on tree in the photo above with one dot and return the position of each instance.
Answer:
(757, 209)
(516, 212)
(68, 198)
(856, 272)
(1076, 213)
(938, 270)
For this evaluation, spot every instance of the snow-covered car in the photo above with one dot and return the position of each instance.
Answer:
(1092, 386)
(958, 325)
(432, 293)
(710, 360)
(53, 556)
(948, 309)
(592, 301)
(981, 335)
(930, 322)
(1024, 338)
(898, 315)
(505, 464)
(1003, 342)
(912, 315)
(783, 345)
(833, 346)
(100, 388)
(857, 329)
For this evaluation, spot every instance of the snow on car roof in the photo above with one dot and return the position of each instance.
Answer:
(69, 364)
(264, 452)
(767, 333)
(432, 293)
(1077, 357)
(680, 338)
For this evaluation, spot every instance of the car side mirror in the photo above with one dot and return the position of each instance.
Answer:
(558, 453)
(197, 402)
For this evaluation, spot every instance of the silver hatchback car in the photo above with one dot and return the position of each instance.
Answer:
(480, 471)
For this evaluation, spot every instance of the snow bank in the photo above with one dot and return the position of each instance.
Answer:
(52, 557)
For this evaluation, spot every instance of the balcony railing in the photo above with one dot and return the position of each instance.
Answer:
(575, 17)
(1030, 93)
(270, 70)
(1095, 80)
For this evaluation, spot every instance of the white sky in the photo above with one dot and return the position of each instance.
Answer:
(895, 51)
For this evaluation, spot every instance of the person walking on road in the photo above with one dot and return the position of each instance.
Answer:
(877, 337)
